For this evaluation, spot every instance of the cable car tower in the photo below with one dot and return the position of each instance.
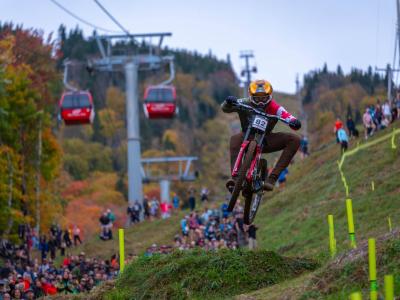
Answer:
(131, 64)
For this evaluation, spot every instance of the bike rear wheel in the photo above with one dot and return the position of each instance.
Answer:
(253, 200)
(248, 157)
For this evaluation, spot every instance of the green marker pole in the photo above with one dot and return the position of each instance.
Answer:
(390, 223)
(393, 142)
(355, 296)
(350, 222)
(121, 249)
(332, 241)
(373, 185)
(389, 287)
(372, 269)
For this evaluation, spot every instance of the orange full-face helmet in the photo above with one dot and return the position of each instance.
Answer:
(260, 92)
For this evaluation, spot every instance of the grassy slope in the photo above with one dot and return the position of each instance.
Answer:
(294, 221)
(200, 274)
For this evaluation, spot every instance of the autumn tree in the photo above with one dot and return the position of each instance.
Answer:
(25, 95)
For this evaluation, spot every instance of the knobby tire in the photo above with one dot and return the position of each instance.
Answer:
(248, 157)
(250, 212)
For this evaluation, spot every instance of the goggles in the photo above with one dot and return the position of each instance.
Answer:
(261, 99)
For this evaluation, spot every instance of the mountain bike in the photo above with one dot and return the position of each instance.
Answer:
(250, 170)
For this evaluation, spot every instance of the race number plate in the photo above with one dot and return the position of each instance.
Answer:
(260, 123)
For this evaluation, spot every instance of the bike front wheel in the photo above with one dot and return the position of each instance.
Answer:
(248, 157)
(253, 200)
(251, 207)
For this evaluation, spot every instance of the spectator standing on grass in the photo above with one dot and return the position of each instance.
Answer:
(251, 231)
(204, 194)
(368, 123)
(133, 212)
(52, 247)
(63, 246)
(129, 212)
(105, 233)
(154, 206)
(175, 201)
(304, 147)
(43, 247)
(338, 124)
(378, 113)
(67, 238)
(165, 208)
(137, 210)
(343, 139)
(76, 231)
(387, 113)
(394, 112)
(371, 110)
(192, 199)
(146, 207)
(351, 127)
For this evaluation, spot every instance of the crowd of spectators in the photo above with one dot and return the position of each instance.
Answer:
(380, 116)
(214, 228)
(211, 229)
(24, 278)
(57, 239)
(376, 117)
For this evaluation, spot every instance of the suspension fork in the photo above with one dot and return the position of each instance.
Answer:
(239, 158)
(260, 143)
(240, 155)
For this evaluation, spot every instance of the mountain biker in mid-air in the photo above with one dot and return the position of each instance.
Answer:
(260, 97)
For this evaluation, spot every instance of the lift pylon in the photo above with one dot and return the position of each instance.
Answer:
(131, 64)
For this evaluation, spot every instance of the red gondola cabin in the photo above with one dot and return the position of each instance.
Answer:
(77, 108)
(160, 102)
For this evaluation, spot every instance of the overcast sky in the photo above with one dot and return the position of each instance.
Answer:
(287, 36)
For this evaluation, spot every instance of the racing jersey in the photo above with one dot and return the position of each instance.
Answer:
(273, 108)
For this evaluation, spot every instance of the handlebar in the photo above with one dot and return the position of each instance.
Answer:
(257, 111)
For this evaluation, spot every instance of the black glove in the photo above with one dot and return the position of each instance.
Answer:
(230, 100)
(295, 124)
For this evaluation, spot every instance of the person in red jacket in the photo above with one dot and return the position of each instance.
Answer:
(48, 288)
(261, 97)
(338, 125)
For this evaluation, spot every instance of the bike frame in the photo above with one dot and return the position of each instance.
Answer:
(259, 138)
